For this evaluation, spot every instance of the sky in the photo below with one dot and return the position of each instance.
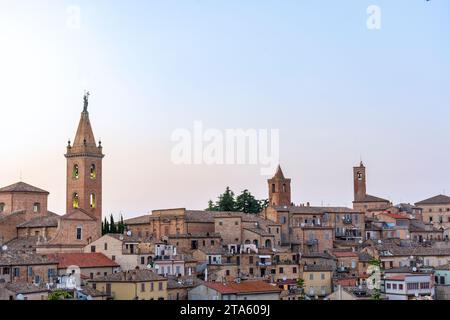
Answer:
(337, 91)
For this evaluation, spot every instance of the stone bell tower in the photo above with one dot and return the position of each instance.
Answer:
(279, 189)
(84, 169)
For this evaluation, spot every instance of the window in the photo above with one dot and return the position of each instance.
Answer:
(236, 223)
(250, 270)
(394, 286)
(106, 246)
(113, 258)
(16, 272)
(93, 172)
(91, 275)
(281, 270)
(142, 260)
(30, 271)
(284, 187)
(294, 270)
(142, 287)
(322, 276)
(212, 242)
(75, 201)
(79, 233)
(250, 260)
(273, 187)
(388, 286)
(92, 248)
(92, 200)
(75, 172)
(160, 286)
(2, 207)
(400, 287)
(36, 207)
(152, 286)
(424, 285)
(227, 272)
(220, 223)
(311, 276)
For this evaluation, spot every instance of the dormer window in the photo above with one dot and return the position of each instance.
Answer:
(93, 172)
(36, 207)
(75, 172)
(2, 207)
(75, 201)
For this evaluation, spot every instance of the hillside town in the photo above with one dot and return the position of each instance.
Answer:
(374, 250)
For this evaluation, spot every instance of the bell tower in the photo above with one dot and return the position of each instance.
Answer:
(359, 182)
(84, 169)
(279, 189)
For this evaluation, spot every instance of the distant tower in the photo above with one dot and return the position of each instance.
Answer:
(359, 182)
(279, 189)
(84, 169)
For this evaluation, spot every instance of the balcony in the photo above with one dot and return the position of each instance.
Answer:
(347, 220)
(312, 242)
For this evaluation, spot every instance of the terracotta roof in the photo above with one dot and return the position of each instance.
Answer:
(245, 287)
(131, 276)
(315, 210)
(395, 215)
(439, 199)
(317, 267)
(138, 220)
(22, 187)
(369, 198)
(21, 258)
(396, 278)
(83, 260)
(345, 254)
(51, 220)
(25, 288)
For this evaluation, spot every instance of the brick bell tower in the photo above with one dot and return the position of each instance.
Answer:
(84, 169)
(359, 182)
(279, 189)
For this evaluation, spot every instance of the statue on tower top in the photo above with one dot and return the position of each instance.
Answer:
(86, 101)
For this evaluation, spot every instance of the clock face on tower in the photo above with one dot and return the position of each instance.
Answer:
(360, 176)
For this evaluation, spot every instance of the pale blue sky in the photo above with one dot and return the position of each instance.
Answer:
(335, 89)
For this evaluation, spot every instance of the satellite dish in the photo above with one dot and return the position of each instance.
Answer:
(5, 247)
(129, 233)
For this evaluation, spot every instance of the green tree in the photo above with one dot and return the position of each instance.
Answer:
(226, 201)
(247, 203)
(112, 225)
(60, 295)
(105, 226)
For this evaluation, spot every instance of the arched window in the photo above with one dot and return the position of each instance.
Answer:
(92, 200)
(75, 201)
(36, 207)
(2, 207)
(268, 243)
(255, 242)
(93, 172)
(75, 172)
(273, 187)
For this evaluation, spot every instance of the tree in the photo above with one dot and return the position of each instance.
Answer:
(112, 225)
(245, 202)
(60, 295)
(121, 225)
(105, 225)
